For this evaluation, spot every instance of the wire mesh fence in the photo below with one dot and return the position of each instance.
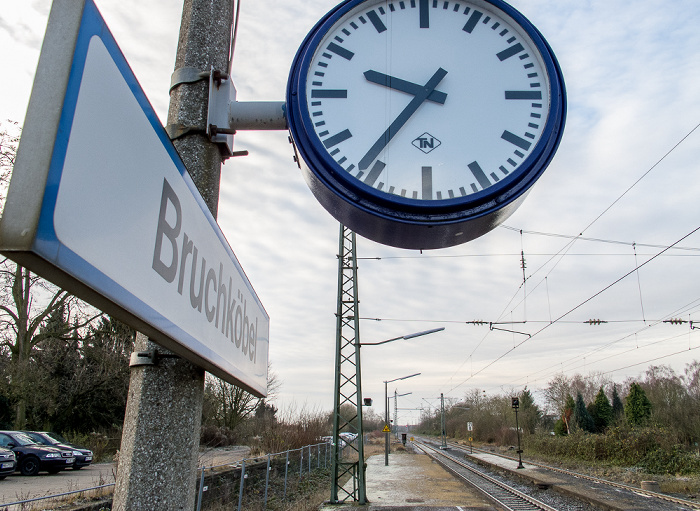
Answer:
(262, 482)
(258, 483)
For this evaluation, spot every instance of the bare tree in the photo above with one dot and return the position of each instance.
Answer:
(26, 302)
(227, 405)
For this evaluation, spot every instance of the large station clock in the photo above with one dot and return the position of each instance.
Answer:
(423, 123)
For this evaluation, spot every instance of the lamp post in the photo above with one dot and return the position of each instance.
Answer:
(386, 398)
(386, 414)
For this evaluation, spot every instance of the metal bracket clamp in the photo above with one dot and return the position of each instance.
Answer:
(148, 358)
(221, 93)
(225, 115)
(187, 75)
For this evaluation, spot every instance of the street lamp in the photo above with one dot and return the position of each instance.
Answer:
(409, 336)
(386, 410)
(386, 399)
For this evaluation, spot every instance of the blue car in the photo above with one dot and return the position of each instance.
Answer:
(32, 457)
(83, 456)
(8, 463)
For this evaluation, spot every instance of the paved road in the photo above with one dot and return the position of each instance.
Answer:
(18, 487)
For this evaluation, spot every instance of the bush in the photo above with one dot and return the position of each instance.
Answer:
(560, 428)
(673, 461)
(104, 445)
(652, 449)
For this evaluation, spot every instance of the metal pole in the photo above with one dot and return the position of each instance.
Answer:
(267, 481)
(520, 451)
(286, 471)
(442, 422)
(240, 488)
(386, 423)
(201, 490)
(204, 42)
(396, 414)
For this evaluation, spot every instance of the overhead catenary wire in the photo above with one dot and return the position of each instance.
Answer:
(561, 365)
(568, 246)
(598, 293)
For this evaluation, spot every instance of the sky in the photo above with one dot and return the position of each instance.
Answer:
(607, 233)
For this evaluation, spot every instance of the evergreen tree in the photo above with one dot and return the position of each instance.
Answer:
(582, 418)
(637, 406)
(531, 413)
(567, 416)
(617, 407)
(603, 411)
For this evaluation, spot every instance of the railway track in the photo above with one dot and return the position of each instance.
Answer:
(646, 493)
(500, 493)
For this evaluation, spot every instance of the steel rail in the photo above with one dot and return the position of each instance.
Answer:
(647, 493)
(495, 490)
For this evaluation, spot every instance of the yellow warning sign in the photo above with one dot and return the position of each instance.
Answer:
(470, 439)
(386, 429)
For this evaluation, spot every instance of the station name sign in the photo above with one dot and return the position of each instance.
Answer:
(101, 204)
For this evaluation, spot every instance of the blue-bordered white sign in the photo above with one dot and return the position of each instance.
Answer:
(101, 204)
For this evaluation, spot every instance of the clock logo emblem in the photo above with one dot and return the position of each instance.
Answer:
(426, 142)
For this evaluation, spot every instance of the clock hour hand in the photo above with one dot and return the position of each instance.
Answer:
(402, 85)
(419, 98)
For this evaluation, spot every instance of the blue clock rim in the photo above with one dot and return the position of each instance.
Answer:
(333, 177)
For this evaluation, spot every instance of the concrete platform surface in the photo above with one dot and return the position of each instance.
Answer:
(414, 482)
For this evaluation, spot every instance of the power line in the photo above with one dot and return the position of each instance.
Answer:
(568, 246)
(516, 346)
(686, 309)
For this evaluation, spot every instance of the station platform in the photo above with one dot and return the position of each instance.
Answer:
(413, 482)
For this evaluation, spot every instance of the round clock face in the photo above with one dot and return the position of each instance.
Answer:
(430, 116)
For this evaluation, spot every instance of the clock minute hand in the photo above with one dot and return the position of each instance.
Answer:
(402, 85)
(402, 118)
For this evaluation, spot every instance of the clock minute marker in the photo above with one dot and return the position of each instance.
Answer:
(376, 21)
(330, 93)
(516, 140)
(509, 52)
(336, 139)
(340, 51)
(479, 174)
(427, 182)
(523, 94)
(472, 22)
(424, 13)
(377, 169)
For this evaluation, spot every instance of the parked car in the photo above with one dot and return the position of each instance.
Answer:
(83, 456)
(8, 463)
(33, 457)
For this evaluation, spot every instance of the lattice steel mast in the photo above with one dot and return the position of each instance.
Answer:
(347, 411)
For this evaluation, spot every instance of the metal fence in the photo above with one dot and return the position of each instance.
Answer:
(262, 479)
